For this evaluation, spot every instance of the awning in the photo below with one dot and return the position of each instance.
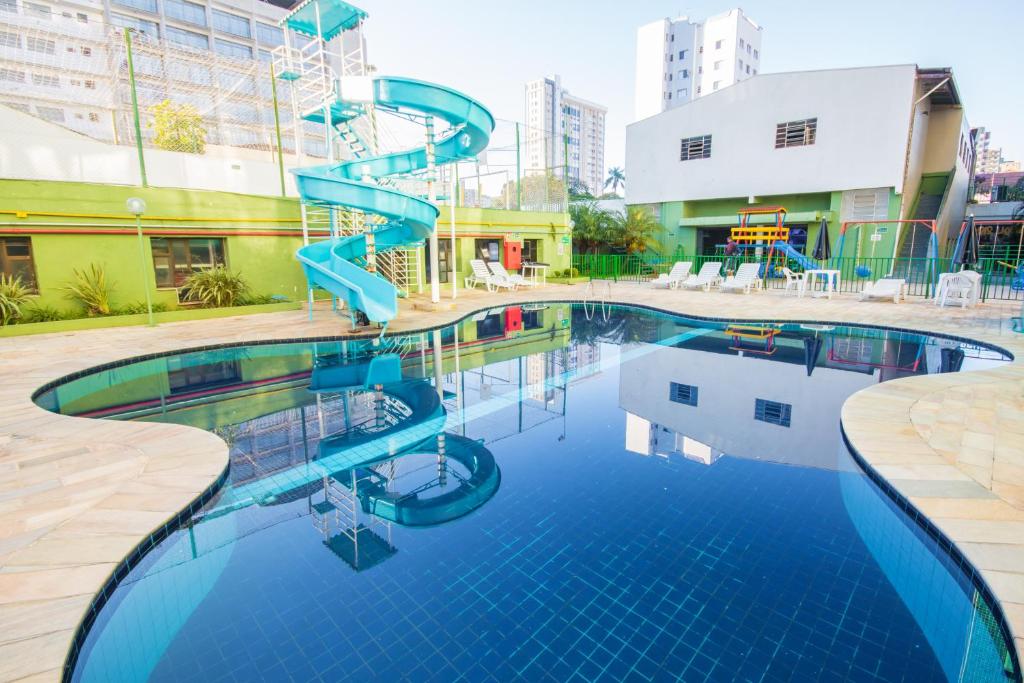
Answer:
(731, 219)
(335, 16)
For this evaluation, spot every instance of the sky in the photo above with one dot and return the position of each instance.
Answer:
(490, 49)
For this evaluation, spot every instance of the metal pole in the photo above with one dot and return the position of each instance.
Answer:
(135, 108)
(451, 211)
(435, 267)
(277, 127)
(519, 174)
(145, 270)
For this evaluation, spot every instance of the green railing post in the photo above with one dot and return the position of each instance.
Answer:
(135, 107)
(277, 127)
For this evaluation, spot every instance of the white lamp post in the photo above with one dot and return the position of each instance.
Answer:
(137, 206)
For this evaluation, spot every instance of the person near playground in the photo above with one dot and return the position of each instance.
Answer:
(731, 249)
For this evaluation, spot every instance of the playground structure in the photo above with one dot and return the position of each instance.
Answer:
(774, 238)
(382, 217)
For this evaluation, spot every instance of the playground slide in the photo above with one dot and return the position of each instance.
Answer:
(790, 252)
(335, 265)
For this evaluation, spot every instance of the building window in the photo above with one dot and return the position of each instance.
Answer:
(94, 117)
(46, 81)
(174, 259)
(34, 9)
(718, 65)
(682, 93)
(188, 38)
(741, 43)
(714, 86)
(682, 54)
(755, 54)
(10, 40)
(488, 249)
(82, 18)
(231, 23)
(796, 133)
(682, 393)
(748, 48)
(772, 412)
(51, 114)
(740, 63)
(148, 28)
(230, 49)
(12, 75)
(185, 11)
(9, 6)
(270, 36)
(183, 377)
(684, 73)
(16, 260)
(718, 44)
(86, 51)
(698, 147)
(748, 68)
(43, 45)
(531, 251)
(144, 5)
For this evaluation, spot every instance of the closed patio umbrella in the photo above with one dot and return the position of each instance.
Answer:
(812, 349)
(952, 360)
(822, 246)
(965, 253)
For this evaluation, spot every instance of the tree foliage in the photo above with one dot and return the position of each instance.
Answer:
(595, 229)
(616, 178)
(178, 128)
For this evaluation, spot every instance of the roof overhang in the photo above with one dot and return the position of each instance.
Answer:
(941, 81)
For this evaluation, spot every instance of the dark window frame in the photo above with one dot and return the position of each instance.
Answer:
(799, 133)
(6, 260)
(683, 394)
(176, 274)
(773, 412)
(696, 147)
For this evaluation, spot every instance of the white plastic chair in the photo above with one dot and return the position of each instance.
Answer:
(957, 288)
(794, 279)
(886, 288)
(745, 279)
(680, 271)
(708, 276)
(481, 275)
(516, 279)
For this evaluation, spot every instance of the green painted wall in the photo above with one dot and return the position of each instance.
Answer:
(266, 261)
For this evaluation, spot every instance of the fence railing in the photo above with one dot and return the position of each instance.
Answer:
(1001, 280)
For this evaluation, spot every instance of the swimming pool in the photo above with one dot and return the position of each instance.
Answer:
(619, 494)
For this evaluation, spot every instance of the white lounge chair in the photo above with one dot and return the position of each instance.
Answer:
(886, 288)
(794, 280)
(516, 279)
(745, 279)
(680, 271)
(481, 275)
(706, 278)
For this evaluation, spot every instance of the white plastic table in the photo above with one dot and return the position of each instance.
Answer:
(830, 280)
(535, 270)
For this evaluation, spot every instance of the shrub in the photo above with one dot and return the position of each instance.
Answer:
(91, 290)
(216, 287)
(13, 295)
(46, 314)
(257, 300)
(140, 307)
(572, 272)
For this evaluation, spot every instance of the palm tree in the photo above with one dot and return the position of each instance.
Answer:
(616, 177)
(638, 230)
(592, 227)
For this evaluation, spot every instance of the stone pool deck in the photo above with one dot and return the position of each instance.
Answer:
(77, 495)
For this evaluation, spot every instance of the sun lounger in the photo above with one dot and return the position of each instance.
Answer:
(680, 271)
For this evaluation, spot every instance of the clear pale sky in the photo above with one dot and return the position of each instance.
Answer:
(490, 49)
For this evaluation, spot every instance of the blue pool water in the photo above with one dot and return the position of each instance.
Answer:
(619, 495)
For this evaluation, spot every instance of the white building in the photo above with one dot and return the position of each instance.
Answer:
(870, 144)
(564, 128)
(65, 61)
(679, 60)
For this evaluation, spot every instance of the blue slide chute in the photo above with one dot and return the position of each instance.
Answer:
(791, 253)
(336, 265)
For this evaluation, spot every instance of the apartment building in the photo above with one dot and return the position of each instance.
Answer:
(564, 133)
(865, 144)
(679, 60)
(65, 61)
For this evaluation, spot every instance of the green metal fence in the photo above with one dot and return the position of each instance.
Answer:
(1001, 280)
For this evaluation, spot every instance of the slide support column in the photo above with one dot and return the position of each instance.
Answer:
(435, 261)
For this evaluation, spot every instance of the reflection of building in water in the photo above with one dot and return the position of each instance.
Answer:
(584, 360)
(704, 397)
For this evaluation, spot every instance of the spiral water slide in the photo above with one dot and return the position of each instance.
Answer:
(338, 266)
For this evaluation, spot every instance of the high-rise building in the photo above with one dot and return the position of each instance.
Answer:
(679, 60)
(564, 134)
(989, 158)
(65, 61)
